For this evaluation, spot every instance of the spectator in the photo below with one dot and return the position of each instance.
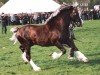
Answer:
(90, 14)
(35, 17)
(95, 16)
(26, 19)
(12, 19)
(4, 22)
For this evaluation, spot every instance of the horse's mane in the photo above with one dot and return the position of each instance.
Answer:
(55, 13)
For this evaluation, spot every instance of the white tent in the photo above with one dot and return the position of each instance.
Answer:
(97, 7)
(29, 6)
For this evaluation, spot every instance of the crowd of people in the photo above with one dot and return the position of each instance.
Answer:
(22, 19)
(91, 14)
(38, 18)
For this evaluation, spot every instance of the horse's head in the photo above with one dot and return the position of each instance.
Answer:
(76, 17)
(73, 13)
(65, 15)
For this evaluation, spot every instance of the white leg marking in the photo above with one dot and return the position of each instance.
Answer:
(24, 57)
(56, 55)
(34, 66)
(69, 57)
(80, 56)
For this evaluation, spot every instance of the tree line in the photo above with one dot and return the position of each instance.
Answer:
(91, 4)
(4, 1)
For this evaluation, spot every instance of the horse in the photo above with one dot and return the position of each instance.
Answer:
(55, 32)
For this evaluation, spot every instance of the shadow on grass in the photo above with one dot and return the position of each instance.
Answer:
(94, 62)
(93, 54)
(11, 73)
(16, 64)
(73, 63)
(60, 63)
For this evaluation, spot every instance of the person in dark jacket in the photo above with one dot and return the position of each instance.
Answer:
(4, 23)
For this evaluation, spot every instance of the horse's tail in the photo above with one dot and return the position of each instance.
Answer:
(14, 29)
(14, 38)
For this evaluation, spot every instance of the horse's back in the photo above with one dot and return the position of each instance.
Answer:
(31, 29)
(32, 26)
(38, 24)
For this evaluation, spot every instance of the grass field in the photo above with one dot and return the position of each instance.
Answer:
(88, 43)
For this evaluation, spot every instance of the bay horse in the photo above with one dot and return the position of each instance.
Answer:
(55, 32)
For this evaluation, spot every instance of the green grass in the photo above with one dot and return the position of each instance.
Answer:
(88, 42)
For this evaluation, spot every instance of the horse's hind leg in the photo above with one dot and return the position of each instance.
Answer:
(28, 57)
(25, 48)
(22, 47)
(56, 55)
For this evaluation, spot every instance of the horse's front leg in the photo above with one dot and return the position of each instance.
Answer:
(56, 55)
(75, 52)
(27, 58)
(79, 55)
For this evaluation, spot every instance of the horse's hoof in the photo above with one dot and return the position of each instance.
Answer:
(37, 69)
(86, 60)
(81, 57)
(83, 60)
(26, 62)
(70, 58)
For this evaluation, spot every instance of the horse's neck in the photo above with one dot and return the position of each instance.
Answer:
(59, 21)
(53, 23)
(65, 28)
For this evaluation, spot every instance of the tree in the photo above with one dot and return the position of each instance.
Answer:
(91, 4)
(4, 1)
(94, 2)
(67, 1)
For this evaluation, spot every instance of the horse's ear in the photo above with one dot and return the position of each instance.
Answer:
(65, 6)
(71, 7)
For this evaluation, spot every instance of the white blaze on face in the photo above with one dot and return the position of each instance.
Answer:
(79, 11)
